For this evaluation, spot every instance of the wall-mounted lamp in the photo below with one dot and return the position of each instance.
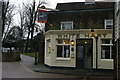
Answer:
(86, 42)
(92, 30)
(72, 42)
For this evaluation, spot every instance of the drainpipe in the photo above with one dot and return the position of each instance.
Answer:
(113, 41)
(96, 52)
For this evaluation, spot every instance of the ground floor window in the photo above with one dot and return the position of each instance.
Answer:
(63, 48)
(106, 49)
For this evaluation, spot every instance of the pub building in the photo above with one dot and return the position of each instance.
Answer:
(79, 35)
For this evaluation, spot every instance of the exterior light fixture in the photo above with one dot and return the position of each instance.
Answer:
(92, 30)
(72, 42)
(43, 7)
(85, 42)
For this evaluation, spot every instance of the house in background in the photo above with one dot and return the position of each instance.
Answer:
(79, 35)
(117, 39)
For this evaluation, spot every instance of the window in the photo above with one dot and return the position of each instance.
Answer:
(48, 50)
(86, 3)
(106, 49)
(108, 24)
(63, 48)
(67, 25)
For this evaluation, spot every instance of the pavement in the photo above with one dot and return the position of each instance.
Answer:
(18, 70)
(80, 73)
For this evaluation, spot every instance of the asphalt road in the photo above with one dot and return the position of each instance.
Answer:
(18, 70)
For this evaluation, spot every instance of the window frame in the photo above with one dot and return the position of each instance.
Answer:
(66, 22)
(107, 45)
(105, 23)
(62, 44)
(88, 3)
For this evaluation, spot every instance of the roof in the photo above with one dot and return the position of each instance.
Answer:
(83, 6)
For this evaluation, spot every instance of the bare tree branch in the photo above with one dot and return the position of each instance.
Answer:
(7, 16)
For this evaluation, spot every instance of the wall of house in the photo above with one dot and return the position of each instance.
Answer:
(104, 63)
(53, 35)
(117, 40)
(83, 19)
(47, 55)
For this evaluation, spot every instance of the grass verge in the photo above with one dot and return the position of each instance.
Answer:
(29, 54)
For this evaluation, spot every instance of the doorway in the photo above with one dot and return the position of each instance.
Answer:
(84, 53)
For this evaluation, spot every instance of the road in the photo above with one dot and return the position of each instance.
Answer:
(18, 70)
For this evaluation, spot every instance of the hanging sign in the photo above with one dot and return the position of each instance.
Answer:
(42, 16)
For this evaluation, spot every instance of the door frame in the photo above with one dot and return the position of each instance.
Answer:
(83, 51)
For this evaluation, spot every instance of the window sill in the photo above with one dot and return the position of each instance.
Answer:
(107, 59)
(62, 58)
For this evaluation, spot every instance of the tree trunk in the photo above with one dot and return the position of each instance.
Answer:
(27, 42)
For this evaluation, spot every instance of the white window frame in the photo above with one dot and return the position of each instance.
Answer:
(62, 44)
(87, 3)
(110, 44)
(66, 22)
(106, 21)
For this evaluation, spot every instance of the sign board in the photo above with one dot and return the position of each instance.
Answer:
(42, 16)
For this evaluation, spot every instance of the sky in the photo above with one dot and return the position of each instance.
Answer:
(50, 4)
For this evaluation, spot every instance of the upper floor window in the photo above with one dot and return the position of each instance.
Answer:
(89, 3)
(108, 24)
(68, 25)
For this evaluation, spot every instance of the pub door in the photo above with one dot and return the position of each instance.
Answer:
(84, 53)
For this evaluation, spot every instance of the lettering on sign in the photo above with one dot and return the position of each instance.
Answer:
(72, 35)
(104, 35)
(64, 36)
(86, 35)
(59, 36)
(82, 35)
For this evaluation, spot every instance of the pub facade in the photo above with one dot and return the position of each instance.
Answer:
(79, 35)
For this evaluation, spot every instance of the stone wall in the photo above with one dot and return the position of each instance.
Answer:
(10, 56)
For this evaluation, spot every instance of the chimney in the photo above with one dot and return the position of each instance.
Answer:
(89, 0)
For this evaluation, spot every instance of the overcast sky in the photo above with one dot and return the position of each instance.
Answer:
(50, 3)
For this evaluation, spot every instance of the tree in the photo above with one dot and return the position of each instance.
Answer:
(7, 16)
(28, 19)
(12, 38)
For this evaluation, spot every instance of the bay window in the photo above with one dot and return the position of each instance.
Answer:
(63, 48)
